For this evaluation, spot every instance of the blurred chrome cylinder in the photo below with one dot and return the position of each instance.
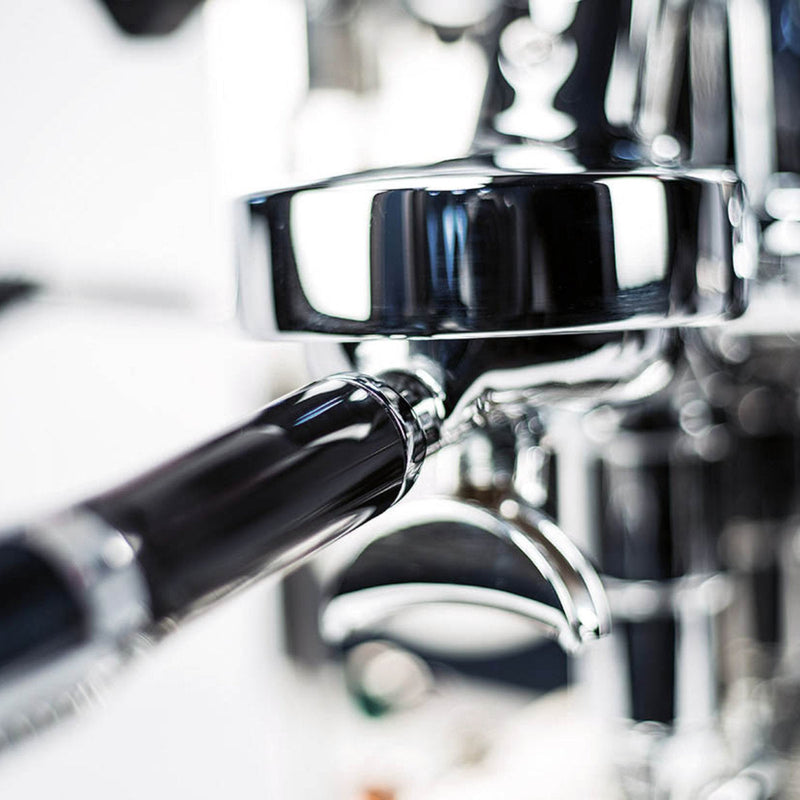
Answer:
(654, 483)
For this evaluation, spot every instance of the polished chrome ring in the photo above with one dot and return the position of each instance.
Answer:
(100, 568)
(470, 249)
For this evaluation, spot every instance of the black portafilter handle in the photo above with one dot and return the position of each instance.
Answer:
(301, 472)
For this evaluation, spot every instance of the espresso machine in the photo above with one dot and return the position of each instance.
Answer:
(570, 343)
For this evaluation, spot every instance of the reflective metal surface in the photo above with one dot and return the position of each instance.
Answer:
(599, 120)
(748, 372)
(517, 374)
(471, 249)
(443, 552)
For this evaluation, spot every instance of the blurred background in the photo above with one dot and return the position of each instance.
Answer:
(115, 200)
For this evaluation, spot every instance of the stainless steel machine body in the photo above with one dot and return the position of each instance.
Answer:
(595, 119)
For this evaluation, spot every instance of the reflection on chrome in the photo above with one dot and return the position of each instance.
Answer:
(555, 586)
(504, 253)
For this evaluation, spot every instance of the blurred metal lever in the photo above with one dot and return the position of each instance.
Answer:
(447, 552)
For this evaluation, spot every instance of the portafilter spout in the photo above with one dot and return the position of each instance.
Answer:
(456, 554)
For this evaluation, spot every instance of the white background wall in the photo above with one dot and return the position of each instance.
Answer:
(114, 173)
(109, 191)
(105, 153)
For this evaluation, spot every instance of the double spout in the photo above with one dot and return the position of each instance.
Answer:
(453, 553)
